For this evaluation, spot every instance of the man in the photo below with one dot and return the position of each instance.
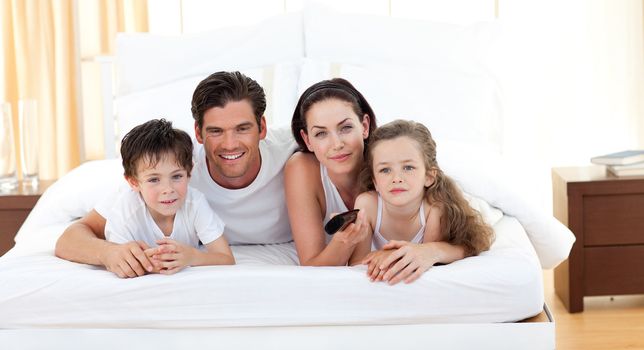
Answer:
(239, 168)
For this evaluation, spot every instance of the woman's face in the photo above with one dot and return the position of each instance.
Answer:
(336, 135)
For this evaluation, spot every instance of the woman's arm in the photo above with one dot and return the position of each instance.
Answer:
(304, 198)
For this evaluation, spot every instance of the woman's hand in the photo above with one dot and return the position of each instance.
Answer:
(355, 232)
(171, 256)
(408, 261)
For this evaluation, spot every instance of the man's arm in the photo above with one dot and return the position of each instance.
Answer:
(84, 242)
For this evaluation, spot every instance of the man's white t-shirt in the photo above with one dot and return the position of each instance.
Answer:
(128, 219)
(255, 214)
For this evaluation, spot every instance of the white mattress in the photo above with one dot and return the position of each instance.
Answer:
(41, 291)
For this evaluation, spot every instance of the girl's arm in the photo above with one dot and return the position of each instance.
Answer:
(304, 195)
(367, 203)
(409, 260)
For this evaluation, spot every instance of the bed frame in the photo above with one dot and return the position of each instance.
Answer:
(534, 333)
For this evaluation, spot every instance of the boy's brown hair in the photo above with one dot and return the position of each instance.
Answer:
(153, 140)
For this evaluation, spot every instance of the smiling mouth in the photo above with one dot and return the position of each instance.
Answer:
(232, 156)
(340, 157)
(397, 190)
(169, 201)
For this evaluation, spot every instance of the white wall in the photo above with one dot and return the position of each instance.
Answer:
(572, 72)
(191, 16)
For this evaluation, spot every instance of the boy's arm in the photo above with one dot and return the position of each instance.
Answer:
(173, 256)
(84, 242)
(217, 253)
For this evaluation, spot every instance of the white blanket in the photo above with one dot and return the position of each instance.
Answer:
(265, 288)
(42, 291)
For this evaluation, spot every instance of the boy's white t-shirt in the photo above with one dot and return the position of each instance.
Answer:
(257, 213)
(128, 219)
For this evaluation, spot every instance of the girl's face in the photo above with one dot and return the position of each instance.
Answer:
(399, 172)
(336, 135)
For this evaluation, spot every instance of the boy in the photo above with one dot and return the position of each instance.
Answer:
(160, 209)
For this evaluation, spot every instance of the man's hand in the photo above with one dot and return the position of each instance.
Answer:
(127, 260)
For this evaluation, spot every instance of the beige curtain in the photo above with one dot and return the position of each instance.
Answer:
(99, 22)
(39, 63)
(41, 60)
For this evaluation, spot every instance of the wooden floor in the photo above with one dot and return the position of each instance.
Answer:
(605, 323)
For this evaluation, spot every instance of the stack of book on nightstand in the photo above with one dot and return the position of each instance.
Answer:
(625, 163)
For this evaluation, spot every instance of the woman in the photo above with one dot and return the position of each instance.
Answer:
(332, 124)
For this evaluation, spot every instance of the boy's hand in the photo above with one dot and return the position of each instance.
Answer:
(171, 256)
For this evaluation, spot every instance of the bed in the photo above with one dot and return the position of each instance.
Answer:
(266, 300)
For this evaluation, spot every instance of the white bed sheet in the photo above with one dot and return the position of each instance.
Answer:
(42, 291)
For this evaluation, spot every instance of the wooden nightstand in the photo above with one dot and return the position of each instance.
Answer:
(14, 208)
(606, 214)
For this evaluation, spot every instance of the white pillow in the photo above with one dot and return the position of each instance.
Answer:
(363, 39)
(453, 104)
(147, 60)
(172, 100)
(71, 197)
(487, 175)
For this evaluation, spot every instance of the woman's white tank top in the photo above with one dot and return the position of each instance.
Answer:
(334, 203)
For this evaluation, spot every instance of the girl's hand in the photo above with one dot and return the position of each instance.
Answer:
(171, 256)
(355, 232)
(374, 260)
(408, 261)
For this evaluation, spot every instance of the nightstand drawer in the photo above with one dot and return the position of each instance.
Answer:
(15, 206)
(613, 219)
(10, 222)
(614, 270)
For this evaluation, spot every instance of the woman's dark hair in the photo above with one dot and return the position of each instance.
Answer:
(336, 88)
(153, 140)
(222, 87)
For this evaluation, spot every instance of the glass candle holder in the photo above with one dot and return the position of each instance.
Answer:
(8, 178)
(28, 119)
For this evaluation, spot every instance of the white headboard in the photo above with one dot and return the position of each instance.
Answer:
(421, 70)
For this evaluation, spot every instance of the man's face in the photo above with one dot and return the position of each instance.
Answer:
(230, 136)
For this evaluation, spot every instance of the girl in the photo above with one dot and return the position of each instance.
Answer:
(332, 124)
(416, 214)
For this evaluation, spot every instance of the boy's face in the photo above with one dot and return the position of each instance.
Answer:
(230, 136)
(163, 187)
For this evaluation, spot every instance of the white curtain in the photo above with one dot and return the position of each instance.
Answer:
(572, 74)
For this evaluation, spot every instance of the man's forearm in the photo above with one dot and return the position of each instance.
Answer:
(78, 243)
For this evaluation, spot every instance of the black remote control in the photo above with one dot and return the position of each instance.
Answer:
(340, 221)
